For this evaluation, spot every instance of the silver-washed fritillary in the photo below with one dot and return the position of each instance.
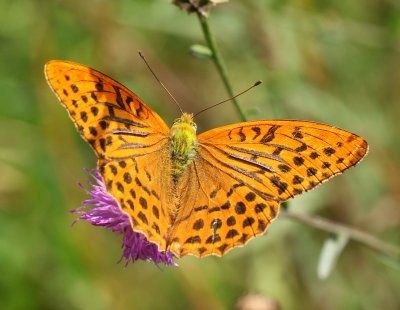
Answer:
(197, 194)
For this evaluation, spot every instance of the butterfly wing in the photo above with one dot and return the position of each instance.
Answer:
(242, 172)
(130, 140)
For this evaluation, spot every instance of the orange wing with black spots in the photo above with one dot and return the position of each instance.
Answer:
(242, 173)
(130, 140)
(111, 118)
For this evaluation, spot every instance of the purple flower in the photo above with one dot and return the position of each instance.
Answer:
(102, 210)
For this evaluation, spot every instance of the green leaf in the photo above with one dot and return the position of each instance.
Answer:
(200, 51)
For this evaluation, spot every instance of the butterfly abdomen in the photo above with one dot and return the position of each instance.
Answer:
(184, 143)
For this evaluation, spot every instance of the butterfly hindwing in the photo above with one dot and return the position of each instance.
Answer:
(142, 191)
(218, 212)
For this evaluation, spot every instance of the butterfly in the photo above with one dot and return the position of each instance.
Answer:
(197, 194)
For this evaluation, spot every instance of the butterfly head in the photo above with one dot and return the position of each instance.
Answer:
(185, 122)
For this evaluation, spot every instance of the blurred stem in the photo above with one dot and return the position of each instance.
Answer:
(218, 61)
(336, 228)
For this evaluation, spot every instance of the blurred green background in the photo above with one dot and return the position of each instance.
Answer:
(336, 62)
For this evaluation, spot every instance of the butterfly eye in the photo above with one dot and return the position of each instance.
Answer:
(193, 124)
(177, 121)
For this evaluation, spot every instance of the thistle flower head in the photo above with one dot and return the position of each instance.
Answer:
(101, 209)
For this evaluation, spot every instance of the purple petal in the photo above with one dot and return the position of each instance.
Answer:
(102, 210)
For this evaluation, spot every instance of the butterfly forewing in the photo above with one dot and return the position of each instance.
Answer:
(107, 115)
(283, 157)
(243, 171)
(128, 137)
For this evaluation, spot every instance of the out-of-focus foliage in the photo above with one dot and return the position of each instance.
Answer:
(330, 61)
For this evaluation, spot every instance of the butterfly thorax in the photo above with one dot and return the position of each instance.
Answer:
(183, 142)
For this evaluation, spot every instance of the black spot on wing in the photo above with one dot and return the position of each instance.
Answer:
(99, 86)
(270, 135)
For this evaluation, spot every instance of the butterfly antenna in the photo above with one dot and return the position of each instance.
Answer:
(161, 83)
(237, 95)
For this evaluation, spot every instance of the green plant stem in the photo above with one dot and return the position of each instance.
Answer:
(218, 61)
(336, 228)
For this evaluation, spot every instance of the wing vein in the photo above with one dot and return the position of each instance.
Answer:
(263, 195)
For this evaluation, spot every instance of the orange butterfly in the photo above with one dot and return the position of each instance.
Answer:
(192, 194)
